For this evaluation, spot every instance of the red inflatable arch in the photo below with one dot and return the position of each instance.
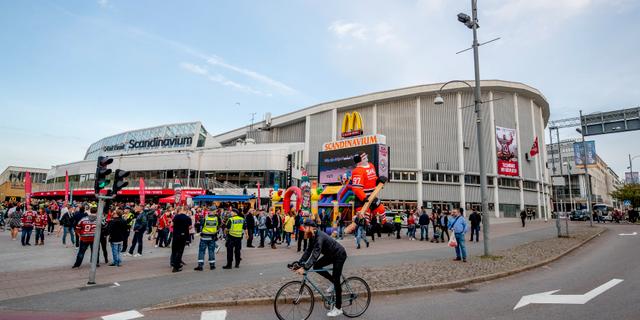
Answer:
(286, 201)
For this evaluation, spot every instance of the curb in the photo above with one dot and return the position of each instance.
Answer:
(398, 290)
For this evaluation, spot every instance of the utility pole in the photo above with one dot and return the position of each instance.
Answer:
(587, 181)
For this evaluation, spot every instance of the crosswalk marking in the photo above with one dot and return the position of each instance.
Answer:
(213, 315)
(127, 315)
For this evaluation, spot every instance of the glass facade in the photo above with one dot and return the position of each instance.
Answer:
(170, 137)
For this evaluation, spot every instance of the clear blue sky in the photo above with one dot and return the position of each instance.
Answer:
(145, 63)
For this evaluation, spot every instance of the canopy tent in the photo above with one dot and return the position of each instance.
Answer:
(226, 198)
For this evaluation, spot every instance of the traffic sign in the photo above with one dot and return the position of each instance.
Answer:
(626, 203)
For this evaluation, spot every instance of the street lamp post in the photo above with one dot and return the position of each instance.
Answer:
(472, 23)
(587, 181)
(569, 179)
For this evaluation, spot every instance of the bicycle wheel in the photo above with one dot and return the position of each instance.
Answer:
(294, 301)
(356, 296)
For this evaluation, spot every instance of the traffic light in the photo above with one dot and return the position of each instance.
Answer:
(118, 182)
(102, 172)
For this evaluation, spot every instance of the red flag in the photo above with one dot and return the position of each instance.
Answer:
(27, 189)
(534, 149)
(66, 188)
(141, 192)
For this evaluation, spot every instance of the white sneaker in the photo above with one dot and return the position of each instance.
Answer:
(156, 246)
(137, 255)
(334, 312)
(128, 254)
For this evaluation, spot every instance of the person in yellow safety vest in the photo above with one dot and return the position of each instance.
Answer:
(235, 228)
(208, 239)
(129, 218)
(397, 222)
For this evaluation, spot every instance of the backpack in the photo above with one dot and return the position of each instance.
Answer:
(65, 220)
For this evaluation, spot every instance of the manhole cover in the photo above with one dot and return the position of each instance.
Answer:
(465, 290)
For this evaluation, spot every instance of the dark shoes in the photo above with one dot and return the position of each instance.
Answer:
(176, 269)
(226, 267)
(457, 259)
(212, 266)
(198, 268)
(367, 244)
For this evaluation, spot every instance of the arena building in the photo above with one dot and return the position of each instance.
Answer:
(433, 158)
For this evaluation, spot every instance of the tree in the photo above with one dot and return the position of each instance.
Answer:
(630, 192)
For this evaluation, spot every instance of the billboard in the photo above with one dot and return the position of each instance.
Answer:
(332, 164)
(507, 151)
(579, 154)
(631, 177)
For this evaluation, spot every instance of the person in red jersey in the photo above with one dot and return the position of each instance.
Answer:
(28, 219)
(40, 222)
(364, 180)
(86, 230)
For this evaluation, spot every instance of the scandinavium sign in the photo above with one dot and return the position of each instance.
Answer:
(155, 143)
(354, 142)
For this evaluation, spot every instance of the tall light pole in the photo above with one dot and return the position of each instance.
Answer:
(569, 179)
(587, 181)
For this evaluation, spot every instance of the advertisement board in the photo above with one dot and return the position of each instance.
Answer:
(334, 163)
(507, 151)
(578, 153)
(631, 177)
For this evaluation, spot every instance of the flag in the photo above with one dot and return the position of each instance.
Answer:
(27, 189)
(141, 192)
(66, 188)
(534, 148)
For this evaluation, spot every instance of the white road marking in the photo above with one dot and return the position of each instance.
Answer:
(127, 315)
(628, 234)
(213, 315)
(115, 284)
(549, 298)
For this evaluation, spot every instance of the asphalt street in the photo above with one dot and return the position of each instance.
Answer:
(139, 294)
(608, 257)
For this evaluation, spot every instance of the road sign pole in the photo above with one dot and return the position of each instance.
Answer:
(587, 181)
(96, 242)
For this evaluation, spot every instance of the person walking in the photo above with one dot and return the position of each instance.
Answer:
(41, 222)
(235, 228)
(302, 237)
(523, 217)
(444, 222)
(251, 225)
(28, 219)
(86, 229)
(287, 227)
(78, 215)
(435, 223)
(66, 223)
(375, 226)
(129, 218)
(181, 224)
(423, 221)
(411, 225)
(15, 220)
(340, 225)
(52, 217)
(139, 227)
(361, 230)
(458, 225)
(475, 218)
(208, 238)
(163, 229)
(117, 227)
(262, 227)
(397, 223)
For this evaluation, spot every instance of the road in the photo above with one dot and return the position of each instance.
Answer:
(610, 256)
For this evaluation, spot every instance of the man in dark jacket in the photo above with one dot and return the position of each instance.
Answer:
(117, 228)
(250, 220)
(139, 227)
(475, 218)
(181, 224)
(523, 217)
(423, 221)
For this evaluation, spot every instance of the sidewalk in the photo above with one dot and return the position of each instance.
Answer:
(37, 270)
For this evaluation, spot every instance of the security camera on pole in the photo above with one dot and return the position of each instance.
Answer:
(101, 182)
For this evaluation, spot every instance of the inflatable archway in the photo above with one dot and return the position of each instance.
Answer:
(286, 202)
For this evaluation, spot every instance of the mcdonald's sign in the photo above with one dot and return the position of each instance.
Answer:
(351, 124)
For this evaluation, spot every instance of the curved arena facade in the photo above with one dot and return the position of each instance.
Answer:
(434, 151)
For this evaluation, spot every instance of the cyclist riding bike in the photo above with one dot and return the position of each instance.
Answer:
(332, 253)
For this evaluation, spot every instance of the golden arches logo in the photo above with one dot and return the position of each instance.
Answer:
(351, 124)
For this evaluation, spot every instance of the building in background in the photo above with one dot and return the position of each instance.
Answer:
(12, 182)
(602, 178)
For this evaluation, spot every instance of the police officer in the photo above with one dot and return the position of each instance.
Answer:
(208, 238)
(397, 222)
(235, 229)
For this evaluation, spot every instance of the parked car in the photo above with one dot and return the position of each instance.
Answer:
(582, 215)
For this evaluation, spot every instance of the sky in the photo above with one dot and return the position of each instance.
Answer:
(73, 72)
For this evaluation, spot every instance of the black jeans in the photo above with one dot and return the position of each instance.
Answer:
(398, 228)
(50, 226)
(302, 240)
(161, 240)
(137, 239)
(444, 231)
(262, 233)
(338, 264)
(234, 244)
(81, 251)
(475, 230)
(125, 241)
(250, 237)
(39, 235)
(177, 249)
(103, 245)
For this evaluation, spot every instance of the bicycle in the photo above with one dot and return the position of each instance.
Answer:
(294, 295)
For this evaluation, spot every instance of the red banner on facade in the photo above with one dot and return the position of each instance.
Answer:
(507, 151)
(66, 188)
(27, 188)
(534, 149)
(141, 191)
